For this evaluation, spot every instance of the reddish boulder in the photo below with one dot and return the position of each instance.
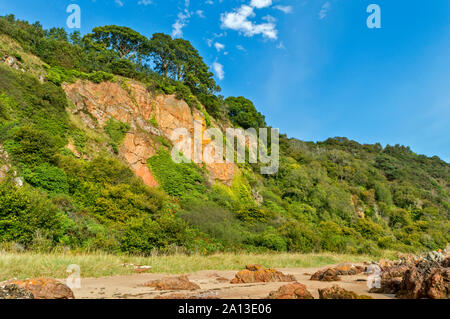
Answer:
(336, 292)
(172, 283)
(438, 284)
(348, 269)
(257, 273)
(45, 288)
(291, 291)
(329, 274)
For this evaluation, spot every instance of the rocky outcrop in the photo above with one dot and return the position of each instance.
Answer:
(291, 291)
(414, 277)
(6, 168)
(172, 283)
(12, 291)
(329, 274)
(336, 292)
(334, 273)
(257, 273)
(44, 288)
(147, 115)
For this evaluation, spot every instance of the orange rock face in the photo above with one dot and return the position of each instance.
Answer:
(257, 273)
(131, 103)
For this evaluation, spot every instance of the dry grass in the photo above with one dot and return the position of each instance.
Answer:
(28, 264)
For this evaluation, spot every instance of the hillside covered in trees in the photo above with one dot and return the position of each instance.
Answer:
(336, 195)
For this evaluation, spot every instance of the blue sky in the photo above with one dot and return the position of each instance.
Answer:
(313, 67)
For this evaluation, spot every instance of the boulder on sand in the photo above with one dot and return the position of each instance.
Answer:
(329, 274)
(45, 288)
(291, 291)
(336, 292)
(172, 283)
(257, 273)
(348, 269)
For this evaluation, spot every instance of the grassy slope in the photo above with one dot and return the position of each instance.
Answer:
(28, 265)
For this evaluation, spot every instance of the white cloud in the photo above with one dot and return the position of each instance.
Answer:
(145, 2)
(281, 46)
(240, 48)
(238, 20)
(209, 2)
(219, 46)
(259, 4)
(285, 9)
(200, 13)
(218, 69)
(182, 21)
(324, 10)
(119, 3)
(269, 18)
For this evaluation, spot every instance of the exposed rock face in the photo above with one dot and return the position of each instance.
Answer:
(45, 288)
(336, 292)
(130, 102)
(14, 292)
(173, 283)
(257, 273)
(329, 274)
(426, 279)
(414, 277)
(291, 291)
(12, 62)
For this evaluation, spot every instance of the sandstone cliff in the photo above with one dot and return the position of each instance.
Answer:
(130, 102)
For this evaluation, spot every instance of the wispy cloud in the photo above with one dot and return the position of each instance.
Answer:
(285, 9)
(219, 46)
(182, 21)
(119, 3)
(218, 70)
(324, 10)
(200, 13)
(145, 2)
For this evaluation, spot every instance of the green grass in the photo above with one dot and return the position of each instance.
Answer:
(29, 265)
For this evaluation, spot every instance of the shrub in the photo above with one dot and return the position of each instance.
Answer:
(47, 177)
(116, 130)
(176, 179)
(33, 147)
(143, 235)
(23, 212)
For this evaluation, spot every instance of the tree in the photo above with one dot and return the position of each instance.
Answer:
(126, 42)
(242, 112)
(162, 53)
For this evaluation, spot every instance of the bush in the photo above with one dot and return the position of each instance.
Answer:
(176, 179)
(32, 147)
(24, 211)
(144, 235)
(116, 130)
(47, 177)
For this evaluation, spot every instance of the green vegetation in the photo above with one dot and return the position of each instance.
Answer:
(336, 196)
